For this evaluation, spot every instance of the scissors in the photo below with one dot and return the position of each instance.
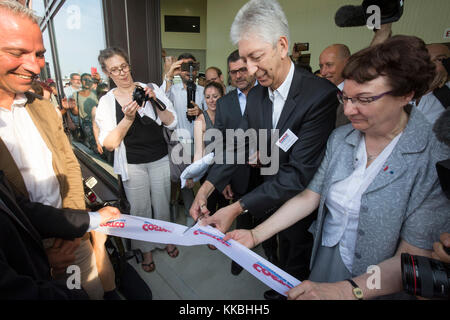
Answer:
(201, 216)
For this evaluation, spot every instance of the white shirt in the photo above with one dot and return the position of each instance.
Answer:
(344, 201)
(30, 153)
(69, 91)
(430, 106)
(178, 95)
(243, 98)
(279, 96)
(341, 86)
(106, 120)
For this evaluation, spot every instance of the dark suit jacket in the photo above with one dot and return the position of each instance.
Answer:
(24, 267)
(310, 113)
(229, 116)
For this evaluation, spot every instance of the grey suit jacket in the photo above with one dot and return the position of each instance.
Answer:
(405, 201)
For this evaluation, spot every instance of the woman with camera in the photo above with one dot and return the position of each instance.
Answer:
(377, 189)
(140, 150)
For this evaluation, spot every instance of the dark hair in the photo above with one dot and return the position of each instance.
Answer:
(218, 71)
(101, 90)
(218, 86)
(85, 75)
(186, 56)
(233, 57)
(403, 60)
(109, 53)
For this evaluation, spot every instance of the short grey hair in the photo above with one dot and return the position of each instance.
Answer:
(18, 9)
(262, 18)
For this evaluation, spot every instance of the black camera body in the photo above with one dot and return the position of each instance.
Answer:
(391, 11)
(425, 277)
(187, 66)
(141, 97)
(191, 87)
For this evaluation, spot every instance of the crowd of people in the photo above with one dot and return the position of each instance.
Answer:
(357, 187)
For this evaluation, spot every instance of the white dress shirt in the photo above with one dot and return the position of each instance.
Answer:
(30, 153)
(344, 201)
(178, 95)
(430, 106)
(279, 96)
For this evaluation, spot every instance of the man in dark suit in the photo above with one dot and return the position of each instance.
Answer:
(291, 100)
(229, 112)
(24, 268)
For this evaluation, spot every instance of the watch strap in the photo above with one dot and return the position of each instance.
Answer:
(357, 292)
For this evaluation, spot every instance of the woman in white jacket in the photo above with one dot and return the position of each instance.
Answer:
(135, 133)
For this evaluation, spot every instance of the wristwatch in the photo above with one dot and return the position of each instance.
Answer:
(243, 206)
(168, 80)
(357, 292)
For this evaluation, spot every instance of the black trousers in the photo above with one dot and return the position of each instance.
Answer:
(296, 244)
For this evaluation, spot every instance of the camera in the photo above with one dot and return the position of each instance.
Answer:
(425, 277)
(299, 47)
(187, 66)
(191, 87)
(140, 97)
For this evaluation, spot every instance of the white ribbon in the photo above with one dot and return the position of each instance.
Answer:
(158, 231)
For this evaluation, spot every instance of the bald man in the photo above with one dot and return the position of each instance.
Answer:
(332, 62)
(429, 104)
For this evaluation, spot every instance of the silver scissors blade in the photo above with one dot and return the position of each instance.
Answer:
(201, 216)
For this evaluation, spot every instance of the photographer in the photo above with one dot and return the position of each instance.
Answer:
(187, 111)
(140, 150)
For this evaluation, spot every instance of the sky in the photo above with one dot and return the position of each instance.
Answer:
(79, 34)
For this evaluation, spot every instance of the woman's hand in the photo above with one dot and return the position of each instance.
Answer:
(309, 290)
(150, 93)
(130, 109)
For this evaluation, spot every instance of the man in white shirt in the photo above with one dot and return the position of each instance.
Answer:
(285, 99)
(74, 85)
(332, 62)
(35, 154)
(429, 104)
(177, 93)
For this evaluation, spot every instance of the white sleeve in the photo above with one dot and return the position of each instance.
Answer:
(104, 118)
(161, 95)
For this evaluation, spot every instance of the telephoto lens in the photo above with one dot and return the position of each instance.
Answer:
(425, 277)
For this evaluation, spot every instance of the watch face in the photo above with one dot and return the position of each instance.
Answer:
(358, 293)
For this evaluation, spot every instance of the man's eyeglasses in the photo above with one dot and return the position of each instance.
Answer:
(241, 70)
(116, 71)
(360, 100)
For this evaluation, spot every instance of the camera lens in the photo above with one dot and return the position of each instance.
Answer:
(425, 277)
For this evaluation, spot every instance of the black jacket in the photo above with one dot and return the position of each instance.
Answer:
(24, 267)
(310, 113)
(229, 116)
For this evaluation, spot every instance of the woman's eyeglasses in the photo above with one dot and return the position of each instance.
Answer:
(360, 100)
(116, 71)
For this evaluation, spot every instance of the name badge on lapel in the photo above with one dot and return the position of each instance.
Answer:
(287, 140)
